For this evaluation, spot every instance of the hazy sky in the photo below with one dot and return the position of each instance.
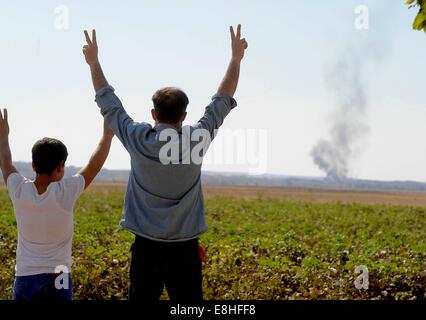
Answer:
(145, 45)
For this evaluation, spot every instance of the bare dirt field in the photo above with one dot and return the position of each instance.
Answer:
(417, 199)
(320, 196)
(311, 195)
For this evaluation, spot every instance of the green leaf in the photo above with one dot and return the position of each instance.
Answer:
(420, 20)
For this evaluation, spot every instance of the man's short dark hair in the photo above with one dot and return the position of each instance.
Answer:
(170, 104)
(48, 154)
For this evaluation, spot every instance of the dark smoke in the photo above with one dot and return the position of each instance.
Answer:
(345, 80)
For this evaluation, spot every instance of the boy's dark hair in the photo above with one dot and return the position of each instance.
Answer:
(170, 104)
(48, 154)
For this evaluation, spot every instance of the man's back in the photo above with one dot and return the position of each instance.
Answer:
(164, 199)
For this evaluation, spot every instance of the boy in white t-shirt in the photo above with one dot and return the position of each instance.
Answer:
(44, 214)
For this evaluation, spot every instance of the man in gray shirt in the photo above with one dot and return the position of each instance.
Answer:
(164, 204)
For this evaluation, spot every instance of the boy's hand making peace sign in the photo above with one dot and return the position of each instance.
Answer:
(4, 124)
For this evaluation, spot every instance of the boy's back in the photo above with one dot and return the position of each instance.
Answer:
(45, 223)
(44, 213)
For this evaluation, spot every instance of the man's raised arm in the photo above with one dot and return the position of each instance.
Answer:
(223, 101)
(111, 107)
(90, 51)
(230, 82)
(6, 165)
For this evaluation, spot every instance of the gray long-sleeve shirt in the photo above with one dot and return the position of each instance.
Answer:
(163, 201)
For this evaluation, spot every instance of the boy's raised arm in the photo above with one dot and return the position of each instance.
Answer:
(98, 158)
(6, 165)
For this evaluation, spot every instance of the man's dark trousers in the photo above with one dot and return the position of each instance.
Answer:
(158, 264)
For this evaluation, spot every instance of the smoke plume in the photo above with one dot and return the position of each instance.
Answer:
(345, 80)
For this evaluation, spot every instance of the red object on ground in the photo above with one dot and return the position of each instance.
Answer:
(202, 252)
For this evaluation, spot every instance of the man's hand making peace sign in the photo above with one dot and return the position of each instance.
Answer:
(90, 50)
(238, 45)
(230, 81)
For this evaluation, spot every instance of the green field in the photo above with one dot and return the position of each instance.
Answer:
(256, 249)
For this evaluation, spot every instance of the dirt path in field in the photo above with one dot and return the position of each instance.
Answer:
(310, 195)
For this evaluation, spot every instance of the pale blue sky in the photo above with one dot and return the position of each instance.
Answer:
(146, 45)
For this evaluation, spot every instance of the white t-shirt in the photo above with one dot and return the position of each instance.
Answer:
(45, 223)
